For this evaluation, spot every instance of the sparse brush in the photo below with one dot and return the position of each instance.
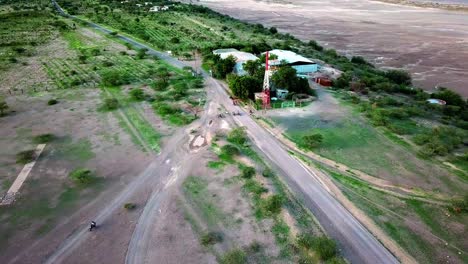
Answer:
(82, 176)
(129, 206)
(211, 238)
(52, 102)
(43, 138)
(25, 156)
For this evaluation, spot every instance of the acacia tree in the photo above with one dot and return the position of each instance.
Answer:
(244, 86)
(286, 78)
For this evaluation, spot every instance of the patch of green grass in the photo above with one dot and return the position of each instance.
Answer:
(393, 220)
(80, 151)
(196, 190)
(211, 238)
(82, 177)
(358, 145)
(281, 231)
(43, 138)
(235, 256)
(26, 156)
(6, 183)
(217, 165)
(142, 126)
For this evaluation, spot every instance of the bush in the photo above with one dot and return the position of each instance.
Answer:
(273, 204)
(141, 54)
(111, 104)
(211, 238)
(313, 44)
(460, 205)
(159, 85)
(25, 156)
(129, 206)
(43, 138)
(82, 176)
(267, 173)
(230, 150)
(236, 256)
(399, 77)
(112, 77)
(312, 141)
(52, 102)
(325, 248)
(137, 94)
(237, 136)
(247, 172)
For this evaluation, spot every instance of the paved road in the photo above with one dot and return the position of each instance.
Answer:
(357, 243)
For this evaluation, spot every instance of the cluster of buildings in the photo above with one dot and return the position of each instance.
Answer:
(303, 66)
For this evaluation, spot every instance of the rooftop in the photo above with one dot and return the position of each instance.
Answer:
(239, 55)
(290, 57)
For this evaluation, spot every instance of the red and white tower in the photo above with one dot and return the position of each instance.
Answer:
(266, 84)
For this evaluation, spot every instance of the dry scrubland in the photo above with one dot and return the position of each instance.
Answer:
(116, 107)
(105, 110)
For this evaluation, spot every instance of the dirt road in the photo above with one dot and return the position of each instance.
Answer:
(357, 243)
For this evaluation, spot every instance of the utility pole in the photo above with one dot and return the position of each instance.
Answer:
(266, 84)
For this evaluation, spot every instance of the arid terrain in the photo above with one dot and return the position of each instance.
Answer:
(430, 43)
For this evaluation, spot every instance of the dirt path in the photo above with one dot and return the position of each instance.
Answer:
(9, 197)
(130, 125)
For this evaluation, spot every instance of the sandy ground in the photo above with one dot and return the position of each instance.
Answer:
(431, 43)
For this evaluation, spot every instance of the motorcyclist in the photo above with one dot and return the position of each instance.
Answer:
(92, 226)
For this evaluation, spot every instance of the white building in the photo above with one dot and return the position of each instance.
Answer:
(303, 65)
(241, 58)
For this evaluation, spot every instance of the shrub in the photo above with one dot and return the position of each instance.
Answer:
(82, 176)
(211, 238)
(247, 172)
(460, 205)
(313, 44)
(267, 173)
(52, 102)
(230, 150)
(3, 106)
(273, 204)
(306, 241)
(111, 104)
(159, 85)
(399, 77)
(112, 77)
(237, 136)
(137, 94)
(43, 138)
(129, 206)
(312, 141)
(325, 248)
(114, 33)
(25, 156)
(141, 54)
(236, 256)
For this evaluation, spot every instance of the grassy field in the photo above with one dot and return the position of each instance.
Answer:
(417, 226)
(352, 141)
